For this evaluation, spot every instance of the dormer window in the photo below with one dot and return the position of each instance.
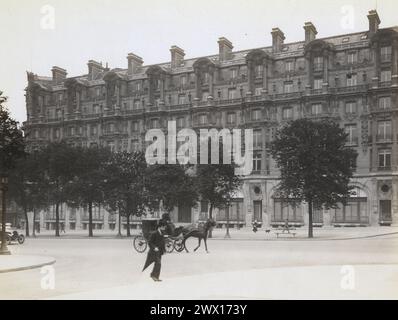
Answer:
(318, 63)
(289, 66)
(385, 54)
(258, 71)
(352, 57)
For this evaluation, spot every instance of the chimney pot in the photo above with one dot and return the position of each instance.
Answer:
(59, 74)
(374, 21)
(225, 49)
(310, 31)
(134, 63)
(177, 56)
(277, 39)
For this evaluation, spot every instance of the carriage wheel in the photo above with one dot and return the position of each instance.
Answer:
(140, 244)
(169, 244)
(21, 239)
(179, 245)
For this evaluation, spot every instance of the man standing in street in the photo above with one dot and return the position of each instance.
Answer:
(156, 250)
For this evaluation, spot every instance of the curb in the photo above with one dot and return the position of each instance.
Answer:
(35, 266)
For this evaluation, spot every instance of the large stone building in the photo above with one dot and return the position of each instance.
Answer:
(351, 78)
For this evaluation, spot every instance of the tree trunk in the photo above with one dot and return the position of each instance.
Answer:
(210, 234)
(34, 223)
(57, 219)
(310, 231)
(90, 219)
(227, 235)
(25, 211)
(119, 232)
(128, 224)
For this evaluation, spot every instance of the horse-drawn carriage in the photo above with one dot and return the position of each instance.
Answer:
(175, 237)
(173, 240)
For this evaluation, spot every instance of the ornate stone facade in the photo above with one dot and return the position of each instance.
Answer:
(351, 78)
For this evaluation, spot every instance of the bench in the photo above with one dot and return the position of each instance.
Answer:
(285, 230)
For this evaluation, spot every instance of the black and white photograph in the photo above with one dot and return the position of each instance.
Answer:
(214, 152)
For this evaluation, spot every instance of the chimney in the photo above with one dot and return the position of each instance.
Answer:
(59, 74)
(224, 49)
(94, 68)
(134, 63)
(177, 56)
(374, 21)
(310, 32)
(277, 39)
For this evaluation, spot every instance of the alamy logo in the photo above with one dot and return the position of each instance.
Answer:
(187, 151)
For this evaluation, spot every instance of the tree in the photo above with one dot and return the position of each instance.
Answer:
(87, 187)
(124, 189)
(216, 184)
(171, 185)
(315, 164)
(12, 147)
(60, 163)
(28, 188)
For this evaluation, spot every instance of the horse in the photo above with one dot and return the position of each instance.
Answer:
(200, 233)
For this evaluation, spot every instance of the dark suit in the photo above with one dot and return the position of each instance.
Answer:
(156, 240)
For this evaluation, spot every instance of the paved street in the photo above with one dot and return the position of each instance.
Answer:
(106, 268)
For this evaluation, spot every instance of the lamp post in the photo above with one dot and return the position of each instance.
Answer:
(3, 188)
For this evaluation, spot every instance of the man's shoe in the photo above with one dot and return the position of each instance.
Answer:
(155, 279)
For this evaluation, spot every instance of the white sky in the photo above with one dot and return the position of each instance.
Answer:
(106, 30)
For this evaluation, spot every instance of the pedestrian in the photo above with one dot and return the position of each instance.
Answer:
(156, 250)
(63, 227)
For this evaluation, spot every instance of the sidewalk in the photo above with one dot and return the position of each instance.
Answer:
(9, 263)
(313, 282)
(246, 233)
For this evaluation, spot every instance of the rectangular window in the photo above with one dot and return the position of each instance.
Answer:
(206, 78)
(205, 95)
(154, 123)
(234, 73)
(182, 99)
(288, 88)
(384, 103)
(385, 54)
(258, 91)
(350, 107)
(97, 91)
(257, 138)
(135, 145)
(134, 126)
(287, 113)
(289, 66)
(316, 109)
(318, 63)
(111, 145)
(351, 80)
(352, 57)
(203, 119)
(318, 83)
(384, 130)
(180, 122)
(256, 114)
(60, 97)
(231, 118)
(183, 81)
(232, 94)
(256, 161)
(258, 71)
(385, 158)
(385, 76)
(352, 131)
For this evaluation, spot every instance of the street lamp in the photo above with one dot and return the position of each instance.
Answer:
(3, 188)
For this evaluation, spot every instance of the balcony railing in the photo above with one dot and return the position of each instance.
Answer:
(385, 57)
